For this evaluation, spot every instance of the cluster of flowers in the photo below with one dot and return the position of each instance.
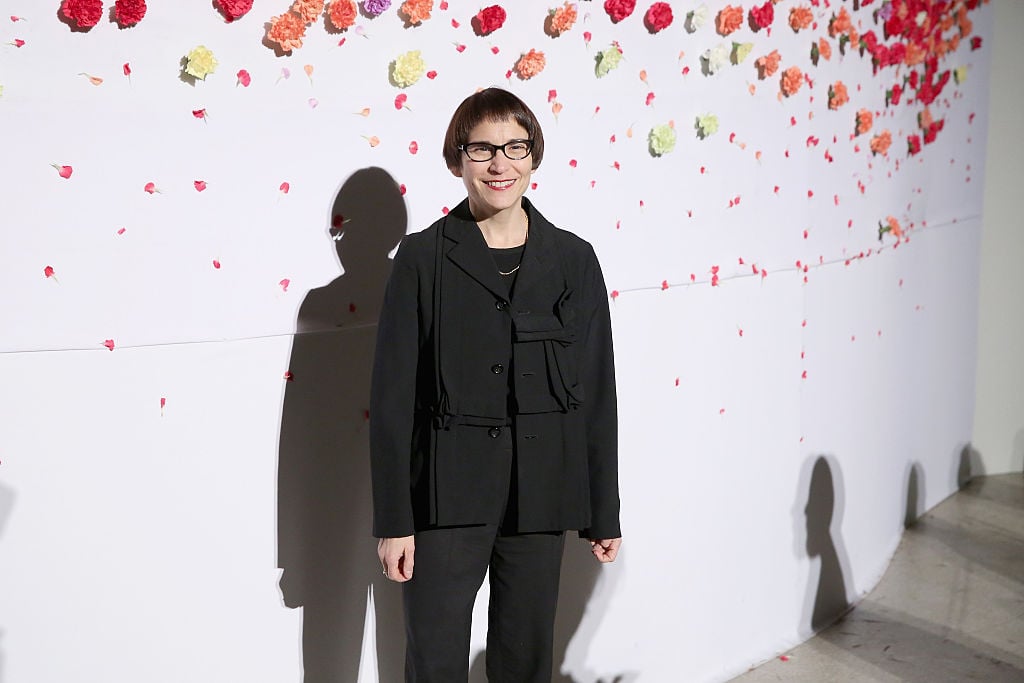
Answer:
(87, 13)
(657, 17)
(287, 30)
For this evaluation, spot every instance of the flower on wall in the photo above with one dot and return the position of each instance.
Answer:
(129, 12)
(696, 18)
(716, 58)
(837, 95)
(792, 79)
(416, 11)
(407, 68)
(881, 142)
(376, 7)
(658, 17)
(821, 50)
(729, 19)
(892, 226)
(200, 62)
(529, 64)
(234, 10)
(740, 51)
(661, 139)
(800, 18)
(286, 31)
(619, 9)
(85, 13)
(560, 20)
(706, 125)
(342, 13)
(763, 16)
(308, 10)
(608, 60)
(863, 121)
(488, 20)
(767, 65)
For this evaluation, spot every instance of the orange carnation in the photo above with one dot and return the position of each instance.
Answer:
(864, 121)
(309, 10)
(881, 142)
(530, 64)
(561, 20)
(768, 64)
(840, 23)
(287, 31)
(342, 13)
(800, 17)
(729, 19)
(416, 11)
(824, 49)
(837, 95)
(792, 80)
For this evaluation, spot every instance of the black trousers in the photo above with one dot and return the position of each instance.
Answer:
(450, 564)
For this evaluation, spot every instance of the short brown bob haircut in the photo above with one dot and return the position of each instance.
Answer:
(490, 104)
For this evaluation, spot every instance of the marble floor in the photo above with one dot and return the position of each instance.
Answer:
(950, 607)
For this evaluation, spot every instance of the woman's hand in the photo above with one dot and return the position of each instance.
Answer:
(605, 549)
(396, 557)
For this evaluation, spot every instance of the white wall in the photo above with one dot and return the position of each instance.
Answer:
(999, 409)
(775, 427)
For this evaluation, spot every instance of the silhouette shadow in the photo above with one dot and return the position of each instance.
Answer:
(915, 495)
(823, 515)
(324, 512)
(968, 466)
(6, 505)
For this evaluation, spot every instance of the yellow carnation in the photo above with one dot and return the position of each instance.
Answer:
(407, 68)
(201, 62)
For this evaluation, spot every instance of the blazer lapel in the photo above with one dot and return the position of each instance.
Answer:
(470, 250)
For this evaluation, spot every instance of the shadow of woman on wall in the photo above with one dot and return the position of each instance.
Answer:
(324, 545)
(824, 514)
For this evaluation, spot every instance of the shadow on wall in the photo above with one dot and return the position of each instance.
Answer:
(6, 505)
(823, 516)
(915, 495)
(968, 466)
(324, 545)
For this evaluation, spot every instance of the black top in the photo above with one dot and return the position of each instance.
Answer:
(508, 261)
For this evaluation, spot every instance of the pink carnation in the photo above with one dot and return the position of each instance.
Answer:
(234, 9)
(85, 13)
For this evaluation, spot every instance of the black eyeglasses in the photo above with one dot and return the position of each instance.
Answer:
(485, 151)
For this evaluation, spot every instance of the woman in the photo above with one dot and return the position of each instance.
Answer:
(493, 417)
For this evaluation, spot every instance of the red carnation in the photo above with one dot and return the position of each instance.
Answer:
(85, 13)
(129, 12)
(619, 9)
(659, 16)
(234, 9)
(763, 16)
(913, 144)
(488, 20)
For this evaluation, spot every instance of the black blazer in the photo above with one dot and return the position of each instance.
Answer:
(442, 421)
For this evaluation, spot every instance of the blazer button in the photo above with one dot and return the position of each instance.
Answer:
(501, 305)
(494, 432)
(497, 368)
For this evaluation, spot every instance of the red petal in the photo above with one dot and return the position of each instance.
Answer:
(109, 343)
(200, 185)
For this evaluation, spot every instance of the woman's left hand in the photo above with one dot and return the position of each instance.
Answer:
(605, 549)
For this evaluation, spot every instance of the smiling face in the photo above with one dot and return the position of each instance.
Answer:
(496, 186)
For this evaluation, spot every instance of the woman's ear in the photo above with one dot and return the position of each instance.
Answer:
(456, 171)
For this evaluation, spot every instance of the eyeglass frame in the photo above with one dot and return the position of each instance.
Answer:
(495, 148)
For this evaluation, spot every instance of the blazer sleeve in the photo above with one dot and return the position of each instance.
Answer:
(599, 406)
(392, 399)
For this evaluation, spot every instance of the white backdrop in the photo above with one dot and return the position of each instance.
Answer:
(151, 494)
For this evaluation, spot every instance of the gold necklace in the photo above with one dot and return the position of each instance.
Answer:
(526, 239)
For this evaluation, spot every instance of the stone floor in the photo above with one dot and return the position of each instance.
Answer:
(949, 608)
